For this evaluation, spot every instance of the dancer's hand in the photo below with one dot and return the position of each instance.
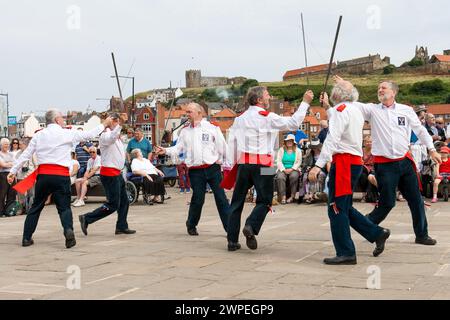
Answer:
(11, 177)
(436, 157)
(324, 101)
(308, 97)
(314, 174)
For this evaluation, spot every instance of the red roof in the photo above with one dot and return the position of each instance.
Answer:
(313, 69)
(225, 113)
(438, 109)
(441, 58)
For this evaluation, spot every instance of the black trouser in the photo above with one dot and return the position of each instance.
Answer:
(155, 188)
(342, 215)
(251, 175)
(116, 200)
(46, 185)
(401, 174)
(199, 179)
(6, 193)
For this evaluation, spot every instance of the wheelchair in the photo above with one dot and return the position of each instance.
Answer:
(135, 186)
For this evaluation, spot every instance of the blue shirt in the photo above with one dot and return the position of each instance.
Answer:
(145, 146)
(82, 155)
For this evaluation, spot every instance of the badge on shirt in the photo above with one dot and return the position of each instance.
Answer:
(402, 121)
(205, 137)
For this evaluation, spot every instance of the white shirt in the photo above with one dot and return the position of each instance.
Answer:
(391, 129)
(94, 163)
(203, 144)
(72, 166)
(143, 165)
(53, 145)
(447, 132)
(257, 134)
(111, 146)
(345, 133)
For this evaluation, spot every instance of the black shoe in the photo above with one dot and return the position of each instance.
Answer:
(340, 260)
(252, 244)
(70, 239)
(192, 231)
(427, 241)
(27, 243)
(380, 242)
(125, 231)
(84, 224)
(233, 246)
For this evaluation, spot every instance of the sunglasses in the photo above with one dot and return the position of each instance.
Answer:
(92, 152)
(15, 143)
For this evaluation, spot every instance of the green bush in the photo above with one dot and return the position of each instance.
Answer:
(389, 69)
(447, 100)
(210, 95)
(416, 62)
(428, 87)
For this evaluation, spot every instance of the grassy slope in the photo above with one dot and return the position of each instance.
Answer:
(367, 86)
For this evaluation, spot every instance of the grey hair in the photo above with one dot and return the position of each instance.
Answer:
(394, 87)
(135, 152)
(254, 94)
(4, 141)
(198, 107)
(51, 115)
(344, 93)
(93, 148)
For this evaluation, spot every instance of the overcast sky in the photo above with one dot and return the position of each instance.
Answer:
(50, 58)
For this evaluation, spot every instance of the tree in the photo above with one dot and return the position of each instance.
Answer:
(247, 85)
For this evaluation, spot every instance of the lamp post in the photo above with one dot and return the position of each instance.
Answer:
(133, 99)
(7, 113)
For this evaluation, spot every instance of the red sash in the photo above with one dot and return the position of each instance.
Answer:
(246, 158)
(204, 166)
(381, 160)
(343, 178)
(109, 172)
(44, 169)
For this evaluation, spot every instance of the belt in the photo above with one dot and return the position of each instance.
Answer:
(252, 158)
(109, 172)
(203, 166)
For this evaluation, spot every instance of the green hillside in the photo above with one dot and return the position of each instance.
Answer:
(414, 89)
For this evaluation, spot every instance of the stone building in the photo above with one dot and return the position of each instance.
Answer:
(422, 54)
(363, 65)
(194, 79)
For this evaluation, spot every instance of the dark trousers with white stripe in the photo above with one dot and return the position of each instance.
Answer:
(400, 174)
(342, 215)
(59, 188)
(249, 175)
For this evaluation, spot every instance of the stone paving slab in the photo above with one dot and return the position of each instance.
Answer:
(162, 262)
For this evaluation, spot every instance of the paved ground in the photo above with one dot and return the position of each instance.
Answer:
(162, 262)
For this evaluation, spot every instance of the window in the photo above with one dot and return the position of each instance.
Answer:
(318, 115)
(174, 124)
(146, 116)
